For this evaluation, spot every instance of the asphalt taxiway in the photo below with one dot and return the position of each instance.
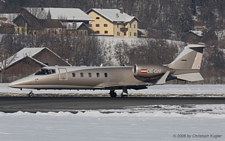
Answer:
(73, 104)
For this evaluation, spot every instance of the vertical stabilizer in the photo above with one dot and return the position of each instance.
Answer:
(188, 63)
(190, 58)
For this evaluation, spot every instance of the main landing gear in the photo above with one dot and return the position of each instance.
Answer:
(123, 94)
(112, 93)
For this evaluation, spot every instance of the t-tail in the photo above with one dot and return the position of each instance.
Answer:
(187, 64)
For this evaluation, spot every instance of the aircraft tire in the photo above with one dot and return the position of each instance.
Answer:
(124, 95)
(31, 94)
(113, 94)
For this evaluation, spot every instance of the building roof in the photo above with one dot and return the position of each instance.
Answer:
(8, 17)
(51, 24)
(59, 13)
(25, 52)
(196, 32)
(70, 25)
(113, 15)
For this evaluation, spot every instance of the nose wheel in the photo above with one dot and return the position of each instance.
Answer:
(31, 94)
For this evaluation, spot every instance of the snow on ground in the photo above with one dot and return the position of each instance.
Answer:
(141, 123)
(160, 122)
(157, 89)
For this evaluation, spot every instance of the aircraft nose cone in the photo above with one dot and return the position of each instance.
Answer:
(13, 84)
(17, 83)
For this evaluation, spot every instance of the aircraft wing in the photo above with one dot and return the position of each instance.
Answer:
(114, 85)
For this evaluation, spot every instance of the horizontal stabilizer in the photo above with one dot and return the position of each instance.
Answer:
(190, 76)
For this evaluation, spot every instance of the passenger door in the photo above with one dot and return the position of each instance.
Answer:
(63, 74)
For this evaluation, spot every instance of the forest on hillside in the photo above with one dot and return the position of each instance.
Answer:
(164, 16)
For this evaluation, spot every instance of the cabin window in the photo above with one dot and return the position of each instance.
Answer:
(105, 74)
(89, 74)
(53, 71)
(74, 74)
(45, 72)
(98, 74)
(81, 74)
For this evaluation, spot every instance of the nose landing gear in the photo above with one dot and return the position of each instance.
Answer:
(31, 94)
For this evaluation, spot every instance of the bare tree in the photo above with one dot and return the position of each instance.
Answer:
(5, 60)
(152, 52)
(213, 64)
(121, 51)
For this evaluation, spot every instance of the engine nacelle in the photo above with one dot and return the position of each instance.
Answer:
(149, 70)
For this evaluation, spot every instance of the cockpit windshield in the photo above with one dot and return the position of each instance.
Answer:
(45, 72)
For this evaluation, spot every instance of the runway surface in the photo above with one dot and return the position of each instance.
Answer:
(73, 104)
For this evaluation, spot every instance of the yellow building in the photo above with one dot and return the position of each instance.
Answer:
(113, 22)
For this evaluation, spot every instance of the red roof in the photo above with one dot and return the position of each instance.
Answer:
(3, 19)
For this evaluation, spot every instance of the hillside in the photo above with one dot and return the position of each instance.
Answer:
(168, 19)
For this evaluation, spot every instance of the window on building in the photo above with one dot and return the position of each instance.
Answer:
(118, 33)
(97, 74)
(135, 34)
(105, 74)
(130, 33)
(97, 32)
(74, 74)
(106, 32)
(97, 25)
(90, 25)
(117, 25)
(97, 18)
(81, 74)
(125, 33)
(89, 74)
(105, 25)
(130, 25)
(134, 26)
